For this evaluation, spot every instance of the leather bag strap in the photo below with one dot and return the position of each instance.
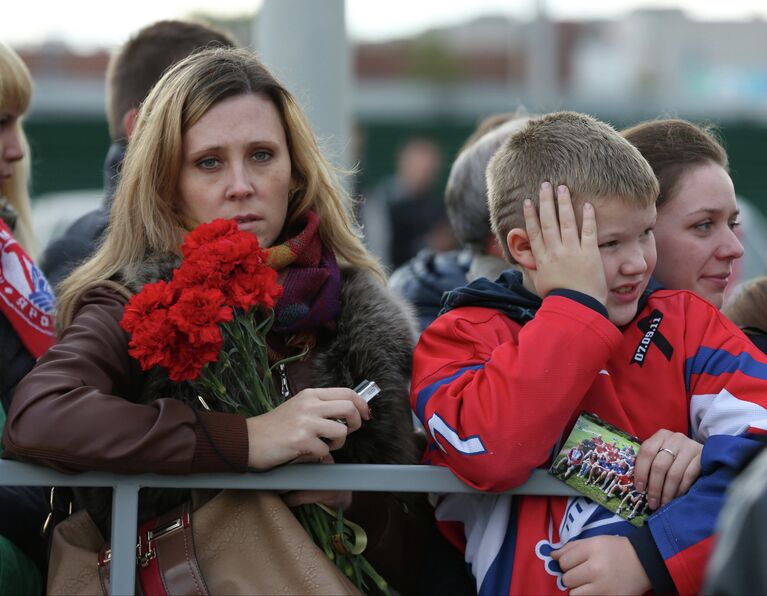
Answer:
(173, 544)
(166, 559)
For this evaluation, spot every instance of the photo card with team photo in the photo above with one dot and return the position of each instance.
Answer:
(597, 460)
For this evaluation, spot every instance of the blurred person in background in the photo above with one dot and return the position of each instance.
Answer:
(132, 72)
(697, 209)
(26, 323)
(405, 212)
(737, 565)
(424, 278)
(748, 310)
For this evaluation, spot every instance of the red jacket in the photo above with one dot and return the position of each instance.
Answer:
(497, 394)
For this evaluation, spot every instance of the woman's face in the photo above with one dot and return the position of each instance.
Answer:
(695, 234)
(236, 165)
(11, 149)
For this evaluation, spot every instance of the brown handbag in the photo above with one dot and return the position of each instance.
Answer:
(238, 542)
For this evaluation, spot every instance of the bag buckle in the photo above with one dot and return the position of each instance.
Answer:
(148, 540)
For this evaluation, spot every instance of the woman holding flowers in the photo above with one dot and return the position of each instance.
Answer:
(220, 140)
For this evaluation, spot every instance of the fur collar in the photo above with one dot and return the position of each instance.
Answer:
(374, 339)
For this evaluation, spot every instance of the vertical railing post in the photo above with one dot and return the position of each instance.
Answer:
(124, 527)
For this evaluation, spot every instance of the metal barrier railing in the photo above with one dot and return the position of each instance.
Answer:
(431, 479)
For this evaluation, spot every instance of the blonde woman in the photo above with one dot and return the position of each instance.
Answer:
(26, 320)
(219, 137)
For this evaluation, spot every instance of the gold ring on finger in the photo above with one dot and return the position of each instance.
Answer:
(667, 450)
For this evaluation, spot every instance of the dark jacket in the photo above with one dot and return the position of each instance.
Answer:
(426, 277)
(15, 360)
(22, 509)
(409, 217)
(758, 337)
(82, 238)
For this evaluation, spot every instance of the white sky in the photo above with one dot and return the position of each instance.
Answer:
(89, 23)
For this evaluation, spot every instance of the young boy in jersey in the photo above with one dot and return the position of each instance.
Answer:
(501, 376)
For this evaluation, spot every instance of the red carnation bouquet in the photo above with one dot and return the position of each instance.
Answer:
(208, 326)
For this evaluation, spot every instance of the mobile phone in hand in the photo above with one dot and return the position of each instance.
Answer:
(367, 390)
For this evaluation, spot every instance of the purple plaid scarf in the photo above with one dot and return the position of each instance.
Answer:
(311, 279)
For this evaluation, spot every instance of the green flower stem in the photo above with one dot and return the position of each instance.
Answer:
(241, 381)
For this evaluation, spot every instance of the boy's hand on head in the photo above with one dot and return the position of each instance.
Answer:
(666, 466)
(564, 258)
(602, 565)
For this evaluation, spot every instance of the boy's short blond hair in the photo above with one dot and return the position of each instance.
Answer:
(586, 155)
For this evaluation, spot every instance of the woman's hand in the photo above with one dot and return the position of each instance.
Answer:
(667, 465)
(305, 428)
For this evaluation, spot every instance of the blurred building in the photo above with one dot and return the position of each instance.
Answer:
(650, 61)
(660, 61)
(439, 83)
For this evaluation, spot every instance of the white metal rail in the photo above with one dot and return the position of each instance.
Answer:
(296, 477)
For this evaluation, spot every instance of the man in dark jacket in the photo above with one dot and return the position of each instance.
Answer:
(131, 74)
(424, 278)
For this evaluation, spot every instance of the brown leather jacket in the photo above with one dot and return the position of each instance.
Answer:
(89, 386)
(90, 372)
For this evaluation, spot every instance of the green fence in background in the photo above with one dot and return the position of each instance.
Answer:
(69, 154)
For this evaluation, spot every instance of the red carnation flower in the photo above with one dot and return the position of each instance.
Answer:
(205, 234)
(197, 313)
(176, 325)
(152, 297)
(188, 359)
(223, 257)
(146, 319)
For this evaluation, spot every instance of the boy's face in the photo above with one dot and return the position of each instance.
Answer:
(627, 247)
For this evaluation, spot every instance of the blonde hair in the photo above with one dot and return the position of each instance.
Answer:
(15, 94)
(145, 219)
(584, 154)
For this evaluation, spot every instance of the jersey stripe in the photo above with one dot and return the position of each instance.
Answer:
(424, 395)
(715, 362)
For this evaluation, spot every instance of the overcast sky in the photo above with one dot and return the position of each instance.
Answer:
(89, 23)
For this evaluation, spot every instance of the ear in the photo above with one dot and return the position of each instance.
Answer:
(129, 121)
(519, 247)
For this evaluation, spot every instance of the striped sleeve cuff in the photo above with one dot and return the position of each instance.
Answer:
(652, 561)
(581, 298)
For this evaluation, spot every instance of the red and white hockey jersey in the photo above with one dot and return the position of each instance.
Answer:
(498, 386)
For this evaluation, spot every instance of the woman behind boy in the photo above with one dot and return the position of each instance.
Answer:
(697, 210)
